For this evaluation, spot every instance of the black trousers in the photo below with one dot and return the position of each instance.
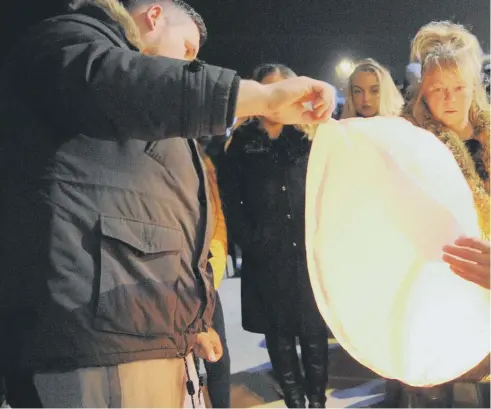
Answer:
(17, 384)
(218, 373)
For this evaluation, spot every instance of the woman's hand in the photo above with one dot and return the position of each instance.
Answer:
(470, 259)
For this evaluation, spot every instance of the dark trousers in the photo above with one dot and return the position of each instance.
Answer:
(218, 373)
(15, 383)
(20, 391)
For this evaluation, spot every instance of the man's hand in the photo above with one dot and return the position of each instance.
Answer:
(208, 346)
(470, 259)
(298, 100)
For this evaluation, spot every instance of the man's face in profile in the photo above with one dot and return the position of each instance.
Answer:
(168, 31)
(179, 38)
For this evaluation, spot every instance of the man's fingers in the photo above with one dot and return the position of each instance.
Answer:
(324, 93)
(317, 115)
(318, 102)
(322, 112)
(205, 348)
(311, 118)
(301, 100)
(217, 349)
(209, 346)
(324, 98)
(320, 94)
(217, 343)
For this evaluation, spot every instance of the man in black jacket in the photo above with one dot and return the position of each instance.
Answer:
(105, 223)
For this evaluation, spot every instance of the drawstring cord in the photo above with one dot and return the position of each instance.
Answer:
(190, 384)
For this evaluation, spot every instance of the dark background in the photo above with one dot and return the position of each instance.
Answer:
(309, 36)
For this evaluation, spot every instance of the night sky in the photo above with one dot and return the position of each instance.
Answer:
(313, 36)
(309, 36)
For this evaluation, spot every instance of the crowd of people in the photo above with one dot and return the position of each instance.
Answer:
(117, 210)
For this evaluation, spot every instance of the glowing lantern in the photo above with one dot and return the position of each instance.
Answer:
(383, 197)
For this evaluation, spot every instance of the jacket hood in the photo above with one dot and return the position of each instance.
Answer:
(116, 12)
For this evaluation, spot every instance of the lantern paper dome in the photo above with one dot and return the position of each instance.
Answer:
(383, 198)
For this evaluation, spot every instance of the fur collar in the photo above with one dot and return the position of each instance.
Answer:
(118, 13)
(474, 165)
(470, 162)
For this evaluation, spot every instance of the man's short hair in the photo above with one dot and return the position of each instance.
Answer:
(179, 4)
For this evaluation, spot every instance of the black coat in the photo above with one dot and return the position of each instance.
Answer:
(105, 231)
(263, 186)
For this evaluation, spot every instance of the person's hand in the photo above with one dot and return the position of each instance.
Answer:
(208, 346)
(294, 101)
(470, 259)
(300, 100)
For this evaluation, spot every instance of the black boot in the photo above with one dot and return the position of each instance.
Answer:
(315, 362)
(284, 359)
(393, 394)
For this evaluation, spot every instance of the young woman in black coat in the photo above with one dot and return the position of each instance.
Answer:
(262, 179)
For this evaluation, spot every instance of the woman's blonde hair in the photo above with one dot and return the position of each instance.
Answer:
(443, 44)
(391, 101)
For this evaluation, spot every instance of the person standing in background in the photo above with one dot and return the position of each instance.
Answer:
(217, 373)
(371, 91)
(261, 176)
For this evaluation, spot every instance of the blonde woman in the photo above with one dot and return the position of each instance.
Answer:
(450, 102)
(371, 92)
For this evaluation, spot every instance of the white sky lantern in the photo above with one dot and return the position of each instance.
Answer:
(383, 197)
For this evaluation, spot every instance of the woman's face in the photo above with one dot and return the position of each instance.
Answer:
(448, 97)
(365, 90)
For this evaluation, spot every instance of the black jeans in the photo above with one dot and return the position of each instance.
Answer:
(218, 373)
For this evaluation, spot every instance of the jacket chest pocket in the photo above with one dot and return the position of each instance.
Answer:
(139, 274)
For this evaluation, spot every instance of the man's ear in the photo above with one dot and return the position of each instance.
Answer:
(154, 16)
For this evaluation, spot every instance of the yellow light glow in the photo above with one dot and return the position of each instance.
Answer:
(344, 68)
